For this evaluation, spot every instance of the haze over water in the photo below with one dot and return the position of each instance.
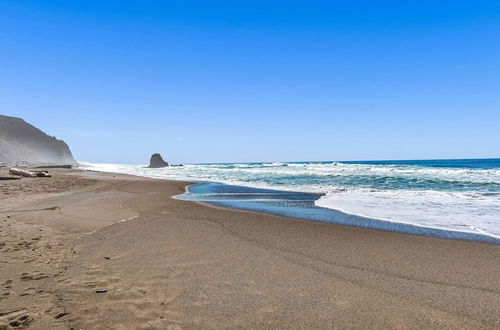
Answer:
(458, 195)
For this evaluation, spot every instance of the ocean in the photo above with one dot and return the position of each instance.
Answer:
(457, 198)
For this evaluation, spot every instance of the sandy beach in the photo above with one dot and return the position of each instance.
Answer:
(89, 250)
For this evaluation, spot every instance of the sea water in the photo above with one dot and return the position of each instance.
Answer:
(446, 198)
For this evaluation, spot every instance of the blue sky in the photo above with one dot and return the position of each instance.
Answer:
(222, 81)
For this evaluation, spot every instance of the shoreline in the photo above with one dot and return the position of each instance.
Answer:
(331, 216)
(180, 264)
(462, 230)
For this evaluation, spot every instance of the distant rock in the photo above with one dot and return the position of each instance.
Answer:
(156, 161)
(22, 143)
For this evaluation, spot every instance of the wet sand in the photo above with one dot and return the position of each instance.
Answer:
(166, 263)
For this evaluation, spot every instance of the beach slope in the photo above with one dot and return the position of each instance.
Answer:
(91, 250)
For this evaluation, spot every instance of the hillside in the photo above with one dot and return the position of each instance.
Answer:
(21, 142)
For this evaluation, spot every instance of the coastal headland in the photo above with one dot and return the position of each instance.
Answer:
(90, 250)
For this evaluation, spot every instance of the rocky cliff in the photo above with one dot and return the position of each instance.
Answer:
(21, 142)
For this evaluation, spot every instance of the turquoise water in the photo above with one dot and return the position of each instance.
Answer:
(461, 196)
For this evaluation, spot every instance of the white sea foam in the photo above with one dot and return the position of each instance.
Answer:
(447, 198)
(461, 211)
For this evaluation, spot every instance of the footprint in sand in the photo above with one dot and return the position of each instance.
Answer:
(59, 315)
(28, 291)
(15, 318)
(33, 277)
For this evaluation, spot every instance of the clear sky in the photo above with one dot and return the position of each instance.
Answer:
(222, 81)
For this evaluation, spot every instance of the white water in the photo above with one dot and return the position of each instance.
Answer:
(460, 199)
(462, 211)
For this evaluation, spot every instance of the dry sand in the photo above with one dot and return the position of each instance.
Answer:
(167, 263)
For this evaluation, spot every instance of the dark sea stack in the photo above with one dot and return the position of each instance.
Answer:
(21, 142)
(157, 161)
